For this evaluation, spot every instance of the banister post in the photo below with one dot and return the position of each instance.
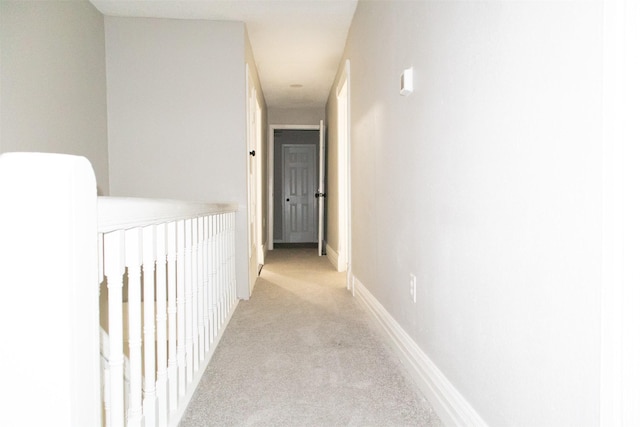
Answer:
(50, 363)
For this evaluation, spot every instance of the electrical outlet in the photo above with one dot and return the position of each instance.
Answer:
(412, 287)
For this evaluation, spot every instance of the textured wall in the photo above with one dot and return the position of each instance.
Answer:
(295, 116)
(177, 117)
(486, 184)
(53, 84)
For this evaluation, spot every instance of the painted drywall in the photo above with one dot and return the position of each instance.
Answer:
(486, 184)
(295, 116)
(53, 84)
(177, 120)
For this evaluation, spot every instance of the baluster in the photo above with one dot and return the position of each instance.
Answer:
(232, 233)
(210, 255)
(219, 272)
(100, 260)
(133, 257)
(223, 259)
(188, 296)
(180, 299)
(216, 274)
(104, 340)
(201, 290)
(161, 302)
(114, 270)
(205, 286)
(149, 326)
(195, 287)
(172, 311)
(227, 290)
(228, 263)
(107, 394)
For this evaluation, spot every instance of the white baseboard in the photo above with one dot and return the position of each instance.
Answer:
(449, 404)
(333, 256)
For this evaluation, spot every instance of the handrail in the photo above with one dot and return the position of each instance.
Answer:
(118, 213)
(164, 269)
(173, 262)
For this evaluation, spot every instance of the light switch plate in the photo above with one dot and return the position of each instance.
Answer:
(406, 82)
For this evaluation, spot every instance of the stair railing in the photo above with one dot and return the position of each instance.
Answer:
(146, 286)
(169, 269)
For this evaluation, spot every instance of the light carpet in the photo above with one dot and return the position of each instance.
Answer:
(301, 352)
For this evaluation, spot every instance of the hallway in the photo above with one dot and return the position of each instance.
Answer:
(301, 352)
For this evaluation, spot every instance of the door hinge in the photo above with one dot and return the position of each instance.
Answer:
(319, 194)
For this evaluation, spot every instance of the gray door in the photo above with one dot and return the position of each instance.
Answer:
(299, 175)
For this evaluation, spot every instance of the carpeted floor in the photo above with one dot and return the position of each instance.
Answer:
(301, 352)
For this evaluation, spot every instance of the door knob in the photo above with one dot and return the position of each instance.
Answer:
(287, 200)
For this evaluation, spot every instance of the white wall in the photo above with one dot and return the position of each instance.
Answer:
(177, 123)
(295, 116)
(52, 79)
(486, 184)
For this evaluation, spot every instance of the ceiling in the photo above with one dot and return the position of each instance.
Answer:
(295, 42)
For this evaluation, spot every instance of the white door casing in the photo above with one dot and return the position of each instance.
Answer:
(344, 176)
(320, 193)
(252, 132)
(271, 155)
(260, 219)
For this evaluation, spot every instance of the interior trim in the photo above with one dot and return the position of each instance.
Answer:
(446, 400)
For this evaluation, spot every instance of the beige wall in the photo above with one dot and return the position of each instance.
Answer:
(53, 84)
(486, 184)
(295, 116)
(177, 114)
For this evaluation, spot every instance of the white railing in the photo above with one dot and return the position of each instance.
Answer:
(176, 261)
(165, 272)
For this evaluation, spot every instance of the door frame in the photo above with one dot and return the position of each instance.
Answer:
(252, 106)
(320, 192)
(270, 171)
(343, 101)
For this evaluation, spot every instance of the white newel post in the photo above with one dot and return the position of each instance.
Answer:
(49, 360)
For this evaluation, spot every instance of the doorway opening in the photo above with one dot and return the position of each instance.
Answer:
(295, 158)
